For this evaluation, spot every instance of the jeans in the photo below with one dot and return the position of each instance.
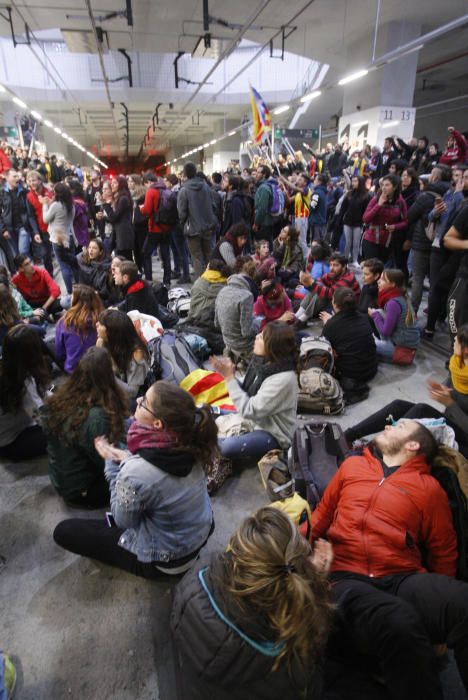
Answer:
(385, 348)
(250, 446)
(318, 232)
(69, 272)
(152, 242)
(421, 267)
(179, 243)
(302, 225)
(42, 252)
(352, 241)
(200, 247)
(31, 442)
(20, 241)
(398, 619)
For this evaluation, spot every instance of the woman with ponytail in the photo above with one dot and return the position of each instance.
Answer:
(394, 319)
(253, 621)
(161, 511)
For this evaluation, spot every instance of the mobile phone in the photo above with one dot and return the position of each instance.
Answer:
(110, 520)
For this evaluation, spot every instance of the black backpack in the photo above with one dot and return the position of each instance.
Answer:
(458, 504)
(316, 453)
(167, 208)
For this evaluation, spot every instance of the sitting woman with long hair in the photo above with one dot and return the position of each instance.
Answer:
(268, 394)
(24, 378)
(265, 602)
(129, 354)
(289, 256)
(87, 405)
(94, 268)
(394, 319)
(159, 501)
(9, 315)
(76, 330)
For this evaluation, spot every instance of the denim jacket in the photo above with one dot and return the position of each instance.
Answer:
(165, 517)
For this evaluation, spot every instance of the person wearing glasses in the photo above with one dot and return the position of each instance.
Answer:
(161, 514)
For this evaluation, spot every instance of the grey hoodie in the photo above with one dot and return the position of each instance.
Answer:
(234, 314)
(195, 207)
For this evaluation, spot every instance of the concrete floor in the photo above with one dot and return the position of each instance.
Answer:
(81, 630)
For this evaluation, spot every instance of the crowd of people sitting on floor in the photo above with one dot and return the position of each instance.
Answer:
(146, 397)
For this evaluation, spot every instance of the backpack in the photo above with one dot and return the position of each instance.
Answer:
(319, 392)
(448, 479)
(175, 298)
(167, 208)
(316, 352)
(316, 453)
(171, 359)
(160, 292)
(277, 199)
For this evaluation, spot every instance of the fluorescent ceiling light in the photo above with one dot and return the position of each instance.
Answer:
(280, 110)
(20, 103)
(35, 114)
(64, 135)
(360, 123)
(48, 123)
(57, 130)
(2, 89)
(354, 76)
(232, 133)
(205, 145)
(212, 143)
(310, 96)
(387, 124)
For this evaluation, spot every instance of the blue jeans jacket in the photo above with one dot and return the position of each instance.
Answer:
(165, 517)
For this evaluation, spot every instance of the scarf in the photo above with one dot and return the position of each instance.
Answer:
(287, 255)
(258, 370)
(459, 375)
(214, 277)
(386, 295)
(135, 287)
(159, 448)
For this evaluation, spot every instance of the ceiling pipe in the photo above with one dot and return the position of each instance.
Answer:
(423, 39)
(444, 62)
(103, 70)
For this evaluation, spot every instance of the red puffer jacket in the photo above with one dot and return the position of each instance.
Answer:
(376, 524)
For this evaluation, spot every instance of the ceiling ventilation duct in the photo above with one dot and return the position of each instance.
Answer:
(82, 41)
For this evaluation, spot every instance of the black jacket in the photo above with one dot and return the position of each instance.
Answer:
(121, 219)
(353, 208)
(216, 661)
(139, 296)
(238, 208)
(337, 163)
(350, 335)
(368, 297)
(418, 215)
(6, 209)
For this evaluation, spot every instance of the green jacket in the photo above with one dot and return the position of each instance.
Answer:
(24, 310)
(73, 468)
(263, 198)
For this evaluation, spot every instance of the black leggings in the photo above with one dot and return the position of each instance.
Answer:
(398, 619)
(397, 409)
(95, 539)
(30, 443)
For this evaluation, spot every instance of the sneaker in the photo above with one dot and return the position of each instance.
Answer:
(220, 471)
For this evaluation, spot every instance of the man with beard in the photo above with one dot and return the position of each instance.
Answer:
(395, 554)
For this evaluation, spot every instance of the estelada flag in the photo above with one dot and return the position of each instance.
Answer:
(260, 116)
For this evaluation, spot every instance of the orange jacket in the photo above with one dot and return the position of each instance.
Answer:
(376, 525)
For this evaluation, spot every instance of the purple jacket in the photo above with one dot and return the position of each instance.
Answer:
(70, 346)
(80, 222)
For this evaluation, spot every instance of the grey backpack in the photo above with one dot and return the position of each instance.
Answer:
(319, 392)
(316, 352)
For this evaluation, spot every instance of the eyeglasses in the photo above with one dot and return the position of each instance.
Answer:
(141, 402)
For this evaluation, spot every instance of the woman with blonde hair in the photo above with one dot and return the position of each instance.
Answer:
(76, 330)
(255, 619)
